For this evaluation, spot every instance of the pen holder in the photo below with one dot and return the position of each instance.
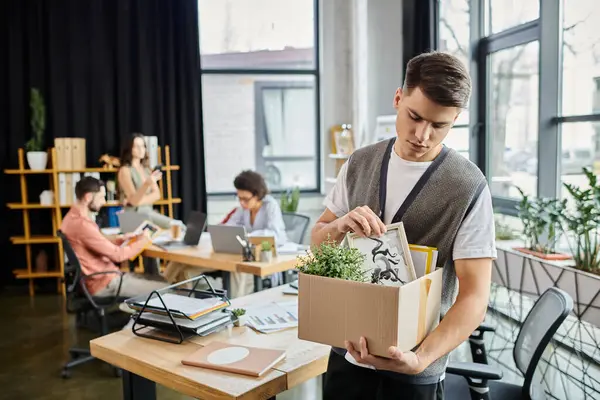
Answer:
(248, 253)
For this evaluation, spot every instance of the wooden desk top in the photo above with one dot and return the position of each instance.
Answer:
(204, 256)
(161, 362)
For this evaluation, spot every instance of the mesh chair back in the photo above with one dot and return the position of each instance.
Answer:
(295, 226)
(542, 322)
(72, 274)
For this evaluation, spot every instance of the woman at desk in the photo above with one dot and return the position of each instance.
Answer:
(137, 183)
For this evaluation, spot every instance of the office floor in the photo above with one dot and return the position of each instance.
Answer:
(35, 334)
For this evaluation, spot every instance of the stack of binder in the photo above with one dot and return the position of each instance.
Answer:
(177, 312)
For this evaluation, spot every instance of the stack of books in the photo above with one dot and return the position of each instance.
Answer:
(199, 316)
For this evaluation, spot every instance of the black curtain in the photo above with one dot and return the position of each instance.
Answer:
(105, 68)
(419, 25)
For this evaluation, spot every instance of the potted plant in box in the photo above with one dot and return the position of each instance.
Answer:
(37, 158)
(541, 218)
(332, 261)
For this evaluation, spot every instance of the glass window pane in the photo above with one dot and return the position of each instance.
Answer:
(454, 36)
(513, 120)
(256, 34)
(458, 139)
(580, 148)
(262, 122)
(505, 14)
(581, 57)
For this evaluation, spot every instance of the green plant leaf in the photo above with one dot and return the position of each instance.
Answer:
(334, 261)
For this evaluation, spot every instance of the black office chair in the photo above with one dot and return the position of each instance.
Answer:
(295, 226)
(470, 380)
(81, 303)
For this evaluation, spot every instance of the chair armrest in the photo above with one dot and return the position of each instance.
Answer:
(101, 273)
(486, 328)
(474, 370)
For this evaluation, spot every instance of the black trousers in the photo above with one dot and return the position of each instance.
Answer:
(347, 381)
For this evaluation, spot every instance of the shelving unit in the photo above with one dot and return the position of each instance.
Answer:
(27, 208)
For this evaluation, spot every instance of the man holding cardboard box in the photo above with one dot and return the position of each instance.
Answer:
(443, 201)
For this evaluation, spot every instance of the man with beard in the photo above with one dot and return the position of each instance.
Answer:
(97, 254)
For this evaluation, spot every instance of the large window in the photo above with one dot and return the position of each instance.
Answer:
(513, 119)
(260, 91)
(501, 15)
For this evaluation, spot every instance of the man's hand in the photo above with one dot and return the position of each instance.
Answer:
(129, 235)
(405, 363)
(363, 221)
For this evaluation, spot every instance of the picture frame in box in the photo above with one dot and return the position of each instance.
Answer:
(387, 258)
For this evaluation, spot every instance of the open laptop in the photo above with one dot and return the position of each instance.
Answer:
(223, 238)
(194, 227)
(130, 220)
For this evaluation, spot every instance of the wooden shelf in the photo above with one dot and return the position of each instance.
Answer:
(109, 170)
(29, 206)
(24, 274)
(34, 239)
(174, 200)
(27, 171)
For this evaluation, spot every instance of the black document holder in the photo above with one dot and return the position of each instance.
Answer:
(173, 333)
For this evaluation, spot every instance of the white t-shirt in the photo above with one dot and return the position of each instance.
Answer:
(475, 237)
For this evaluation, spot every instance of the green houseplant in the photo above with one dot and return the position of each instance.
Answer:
(582, 224)
(37, 158)
(290, 200)
(240, 316)
(331, 260)
(266, 252)
(541, 218)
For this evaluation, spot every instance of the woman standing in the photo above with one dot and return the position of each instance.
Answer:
(137, 183)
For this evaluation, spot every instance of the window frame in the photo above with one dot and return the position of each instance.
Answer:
(315, 72)
(547, 30)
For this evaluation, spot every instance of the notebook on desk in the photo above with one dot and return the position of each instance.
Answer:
(234, 358)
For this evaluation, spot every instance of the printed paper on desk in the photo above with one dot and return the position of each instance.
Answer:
(273, 317)
(424, 259)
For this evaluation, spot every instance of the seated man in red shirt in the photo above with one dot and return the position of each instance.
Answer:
(96, 253)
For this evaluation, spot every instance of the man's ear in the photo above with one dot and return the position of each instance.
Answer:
(397, 97)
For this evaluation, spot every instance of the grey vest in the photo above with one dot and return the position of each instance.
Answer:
(432, 213)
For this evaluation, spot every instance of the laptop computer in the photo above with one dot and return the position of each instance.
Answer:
(130, 220)
(223, 238)
(194, 227)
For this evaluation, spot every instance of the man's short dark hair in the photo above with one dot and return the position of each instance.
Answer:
(252, 182)
(442, 78)
(86, 185)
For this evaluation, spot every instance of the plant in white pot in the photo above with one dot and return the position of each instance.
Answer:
(37, 158)
(266, 252)
(240, 316)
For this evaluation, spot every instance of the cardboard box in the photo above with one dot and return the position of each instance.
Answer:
(331, 311)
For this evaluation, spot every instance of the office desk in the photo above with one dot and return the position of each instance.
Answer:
(147, 361)
(204, 256)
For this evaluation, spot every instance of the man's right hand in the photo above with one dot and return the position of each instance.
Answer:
(362, 221)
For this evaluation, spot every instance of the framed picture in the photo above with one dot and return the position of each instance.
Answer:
(388, 260)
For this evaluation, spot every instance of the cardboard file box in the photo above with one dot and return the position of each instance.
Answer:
(331, 311)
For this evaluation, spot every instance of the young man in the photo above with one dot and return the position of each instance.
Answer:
(96, 253)
(443, 201)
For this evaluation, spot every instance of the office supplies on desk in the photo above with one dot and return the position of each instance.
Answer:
(228, 357)
(179, 310)
(273, 317)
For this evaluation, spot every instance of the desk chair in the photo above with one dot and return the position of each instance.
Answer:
(470, 380)
(295, 226)
(81, 303)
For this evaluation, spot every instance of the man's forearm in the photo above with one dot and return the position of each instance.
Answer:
(457, 325)
(324, 231)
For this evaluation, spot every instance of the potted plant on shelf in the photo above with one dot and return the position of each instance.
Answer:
(240, 316)
(37, 158)
(541, 218)
(582, 223)
(266, 252)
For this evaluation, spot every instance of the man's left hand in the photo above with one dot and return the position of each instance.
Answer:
(129, 235)
(402, 362)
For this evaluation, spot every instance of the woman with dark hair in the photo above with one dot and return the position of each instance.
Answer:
(137, 183)
(258, 210)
